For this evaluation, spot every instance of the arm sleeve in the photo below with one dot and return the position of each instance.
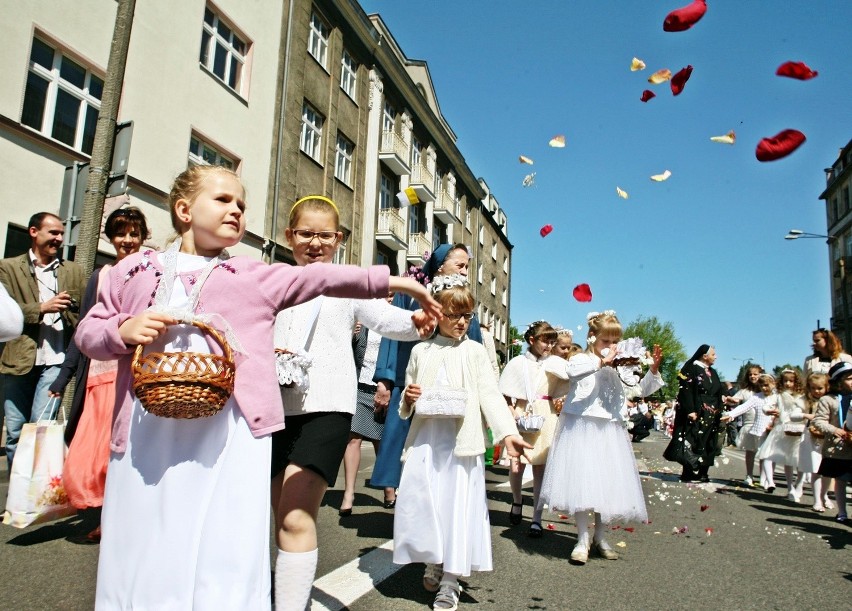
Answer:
(822, 416)
(11, 317)
(72, 354)
(97, 334)
(743, 407)
(386, 361)
(386, 320)
(287, 286)
(650, 384)
(405, 409)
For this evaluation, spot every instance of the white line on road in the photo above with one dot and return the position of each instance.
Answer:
(343, 586)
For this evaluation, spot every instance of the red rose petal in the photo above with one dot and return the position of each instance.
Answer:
(647, 95)
(616, 527)
(685, 17)
(629, 529)
(796, 70)
(551, 527)
(545, 230)
(563, 516)
(678, 81)
(780, 145)
(582, 292)
(705, 507)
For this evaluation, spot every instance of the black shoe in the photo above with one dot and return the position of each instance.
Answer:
(390, 504)
(687, 478)
(536, 531)
(344, 513)
(770, 489)
(704, 479)
(515, 518)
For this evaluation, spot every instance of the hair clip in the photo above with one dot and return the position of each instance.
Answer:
(441, 283)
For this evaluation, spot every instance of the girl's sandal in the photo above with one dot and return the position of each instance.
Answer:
(536, 531)
(432, 577)
(515, 518)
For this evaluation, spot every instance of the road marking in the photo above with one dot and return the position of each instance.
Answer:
(343, 586)
(731, 454)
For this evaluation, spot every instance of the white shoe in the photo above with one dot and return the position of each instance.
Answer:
(792, 496)
(432, 577)
(828, 503)
(603, 550)
(580, 555)
(748, 481)
(448, 597)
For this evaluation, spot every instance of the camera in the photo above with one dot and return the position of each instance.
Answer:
(74, 306)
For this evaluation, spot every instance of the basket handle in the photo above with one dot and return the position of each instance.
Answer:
(227, 351)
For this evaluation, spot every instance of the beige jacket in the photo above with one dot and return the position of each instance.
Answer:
(466, 365)
(827, 421)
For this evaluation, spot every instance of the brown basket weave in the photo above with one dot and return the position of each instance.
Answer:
(184, 384)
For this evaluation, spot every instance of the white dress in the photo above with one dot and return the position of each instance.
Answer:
(778, 447)
(441, 513)
(186, 508)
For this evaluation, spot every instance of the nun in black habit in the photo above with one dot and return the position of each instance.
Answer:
(695, 441)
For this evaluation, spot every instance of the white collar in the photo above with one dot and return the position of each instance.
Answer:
(36, 264)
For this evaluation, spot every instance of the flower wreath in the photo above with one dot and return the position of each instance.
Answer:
(442, 283)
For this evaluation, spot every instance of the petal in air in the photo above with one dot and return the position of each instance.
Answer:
(525, 160)
(728, 138)
(780, 145)
(557, 142)
(621, 193)
(661, 177)
(660, 76)
(685, 17)
(637, 64)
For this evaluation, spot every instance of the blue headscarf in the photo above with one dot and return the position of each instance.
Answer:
(436, 259)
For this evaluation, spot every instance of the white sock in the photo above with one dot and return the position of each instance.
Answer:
(582, 520)
(294, 577)
(600, 529)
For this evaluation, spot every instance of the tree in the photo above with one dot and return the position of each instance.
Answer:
(516, 342)
(652, 331)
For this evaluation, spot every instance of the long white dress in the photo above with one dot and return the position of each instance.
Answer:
(441, 513)
(779, 447)
(186, 508)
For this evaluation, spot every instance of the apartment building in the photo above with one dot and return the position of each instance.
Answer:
(838, 212)
(299, 97)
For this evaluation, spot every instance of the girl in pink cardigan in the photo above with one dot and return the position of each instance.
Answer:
(186, 506)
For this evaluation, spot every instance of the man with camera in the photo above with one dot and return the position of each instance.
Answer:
(48, 291)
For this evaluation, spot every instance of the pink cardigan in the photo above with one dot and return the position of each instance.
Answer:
(248, 294)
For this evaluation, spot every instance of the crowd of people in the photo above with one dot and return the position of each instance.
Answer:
(325, 357)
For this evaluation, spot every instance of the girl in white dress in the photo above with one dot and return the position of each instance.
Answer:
(745, 440)
(186, 506)
(525, 387)
(441, 512)
(782, 443)
(591, 467)
(810, 451)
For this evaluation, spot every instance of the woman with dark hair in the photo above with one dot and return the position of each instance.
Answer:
(87, 432)
(391, 363)
(828, 351)
(697, 414)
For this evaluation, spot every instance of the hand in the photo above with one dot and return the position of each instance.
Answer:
(53, 394)
(515, 445)
(610, 357)
(692, 417)
(145, 328)
(425, 324)
(58, 303)
(411, 287)
(357, 329)
(658, 358)
(383, 394)
(771, 412)
(412, 393)
(725, 419)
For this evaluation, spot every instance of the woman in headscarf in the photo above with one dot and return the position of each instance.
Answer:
(698, 413)
(390, 373)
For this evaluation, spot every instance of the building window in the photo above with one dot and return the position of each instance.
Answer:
(223, 52)
(318, 40)
(204, 153)
(439, 233)
(494, 251)
(417, 219)
(844, 197)
(835, 208)
(343, 160)
(388, 118)
(62, 98)
(504, 299)
(482, 236)
(493, 285)
(416, 153)
(348, 74)
(386, 192)
(479, 274)
(339, 256)
(505, 264)
(311, 140)
(382, 259)
(467, 219)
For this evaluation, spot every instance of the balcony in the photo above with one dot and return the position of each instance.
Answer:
(423, 182)
(446, 209)
(418, 244)
(394, 153)
(391, 229)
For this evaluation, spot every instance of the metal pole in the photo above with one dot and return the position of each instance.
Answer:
(99, 168)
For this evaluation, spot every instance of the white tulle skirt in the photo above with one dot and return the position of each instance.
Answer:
(441, 513)
(780, 448)
(591, 468)
(810, 453)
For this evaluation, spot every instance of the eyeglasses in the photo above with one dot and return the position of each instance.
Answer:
(304, 236)
(455, 317)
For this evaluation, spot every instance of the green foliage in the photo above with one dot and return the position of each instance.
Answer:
(776, 371)
(652, 331)
(516, 342)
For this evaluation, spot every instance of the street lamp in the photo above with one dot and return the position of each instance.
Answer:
(795, 234)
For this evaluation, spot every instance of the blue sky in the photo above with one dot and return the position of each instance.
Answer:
(703, 250)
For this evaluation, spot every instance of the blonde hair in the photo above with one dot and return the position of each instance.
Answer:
(797, 380)
(313, 203)
(456, 299)
(818, 378)
(539, 328)
(766, 378)
(188, 185)
(604, 325)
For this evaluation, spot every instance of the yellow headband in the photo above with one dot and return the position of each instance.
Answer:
(319, 197)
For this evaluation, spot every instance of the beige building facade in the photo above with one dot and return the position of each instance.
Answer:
(838, 209)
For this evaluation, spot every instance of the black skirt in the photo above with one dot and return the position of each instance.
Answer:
(313, 441)
(836, 467)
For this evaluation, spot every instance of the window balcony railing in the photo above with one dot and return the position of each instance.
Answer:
(446, 208)
(418, 244)
(391, 229)
(423, 182)
(393, 151)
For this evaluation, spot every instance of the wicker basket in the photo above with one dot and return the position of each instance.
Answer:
(184, 384)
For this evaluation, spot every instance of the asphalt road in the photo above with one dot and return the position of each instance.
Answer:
(735, 548)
